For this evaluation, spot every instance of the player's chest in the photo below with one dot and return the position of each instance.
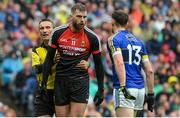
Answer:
(74, 40)
(73, 44)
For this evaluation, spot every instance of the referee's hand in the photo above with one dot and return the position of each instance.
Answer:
(98, 99)
(127, 95)
(150, 102)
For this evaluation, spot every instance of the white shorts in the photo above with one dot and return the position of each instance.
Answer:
(137, 104)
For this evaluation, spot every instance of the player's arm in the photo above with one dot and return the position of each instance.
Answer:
(51, 50)
(149, 78)
(150, 82)
(118, 60)
(96, 47)
(48, 64)
(100, 78)
(117, 56)
(149, 75)
(121, 73)
(119, 66)
(99, 70)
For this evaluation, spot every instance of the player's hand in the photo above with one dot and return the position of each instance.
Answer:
(127, 94)
(57, 58)
(83, 64)
(150, 102)
(98, 97)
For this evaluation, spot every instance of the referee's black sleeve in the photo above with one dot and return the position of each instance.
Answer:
(48, 64)
(37, 69)
(99, 71)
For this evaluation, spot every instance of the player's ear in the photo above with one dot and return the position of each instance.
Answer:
(127, 25)
(70, 19)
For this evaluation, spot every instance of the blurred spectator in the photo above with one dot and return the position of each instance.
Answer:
(157, 86)
(6, 111)
(136, 12)
(162, 8)
(159, 24)
(24, 86)
(3, 33)
(62, 14)
(178, 52)
(161, 111)
(104, 110)
(10, 66)
(153, 46)
(169, 40)
(2, 12)
(1, 54)
(91, 111)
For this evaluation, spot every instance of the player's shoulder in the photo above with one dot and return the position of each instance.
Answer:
(139, 41)
(113, 37)
(135, 38)
(90, 33)
(60, 28)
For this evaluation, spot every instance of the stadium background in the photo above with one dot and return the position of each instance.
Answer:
(156, 22)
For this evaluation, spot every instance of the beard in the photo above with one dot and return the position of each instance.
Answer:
(78, 26)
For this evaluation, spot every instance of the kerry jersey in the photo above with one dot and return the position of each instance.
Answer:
(133, 52)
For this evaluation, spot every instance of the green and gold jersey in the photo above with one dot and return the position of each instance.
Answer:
(38, 58)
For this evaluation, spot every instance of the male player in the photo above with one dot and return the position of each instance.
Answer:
(74, 42)
(128, 54)
(44, 102)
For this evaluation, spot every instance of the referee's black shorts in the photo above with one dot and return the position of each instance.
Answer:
(71, 90)
(44, 103)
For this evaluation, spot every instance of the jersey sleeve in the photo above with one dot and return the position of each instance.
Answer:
(114, 46)
(96, 46)
(54, 38)
(144, 54)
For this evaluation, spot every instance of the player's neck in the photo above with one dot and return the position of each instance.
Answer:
(120, 29)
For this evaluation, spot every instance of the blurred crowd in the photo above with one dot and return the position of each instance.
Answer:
(156, 22)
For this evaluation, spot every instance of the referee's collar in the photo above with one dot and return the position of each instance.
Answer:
(43, 45)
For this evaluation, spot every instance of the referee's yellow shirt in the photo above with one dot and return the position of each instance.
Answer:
(38, 58)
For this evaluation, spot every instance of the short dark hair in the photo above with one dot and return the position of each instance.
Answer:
(46, 19)
(120, 17)
(78, 6)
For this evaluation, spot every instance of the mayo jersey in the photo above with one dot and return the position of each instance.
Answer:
(73, 47)
(133, 52)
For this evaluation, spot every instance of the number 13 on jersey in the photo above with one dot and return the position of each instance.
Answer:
(136, 49)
